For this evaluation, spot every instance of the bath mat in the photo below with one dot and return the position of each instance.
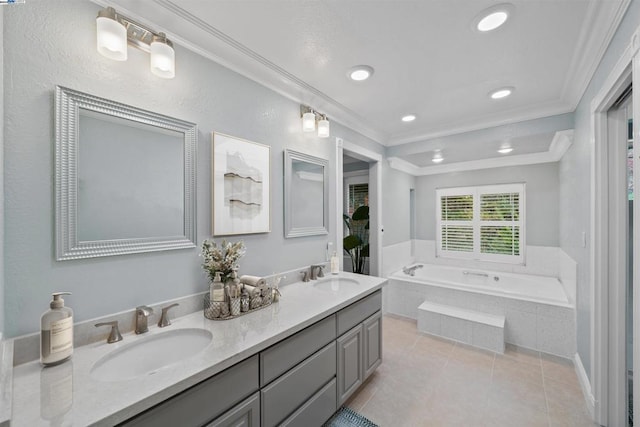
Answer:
(346, 417)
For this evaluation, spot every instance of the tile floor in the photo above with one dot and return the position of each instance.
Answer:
(427, 381)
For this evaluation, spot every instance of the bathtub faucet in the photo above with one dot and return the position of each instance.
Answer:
(474, 273)
(411, 271)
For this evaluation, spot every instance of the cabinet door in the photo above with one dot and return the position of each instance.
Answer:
(350, 363)
(372, 343)
(244, 414)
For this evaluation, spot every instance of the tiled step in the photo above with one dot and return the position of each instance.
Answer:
(467, 326)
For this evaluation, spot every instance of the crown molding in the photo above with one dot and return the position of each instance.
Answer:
(600, 21)
(196, 35)
(515, 115)
(561, 142)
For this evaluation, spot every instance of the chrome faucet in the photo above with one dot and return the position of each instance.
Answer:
(114, 335)
(164, 319)
(142, 314)
(316, 271)
(411, 271)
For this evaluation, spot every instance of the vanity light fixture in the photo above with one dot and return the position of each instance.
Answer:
(501, 93)
(115, 32)
(437, 157)
(409, 118)
(309, 119)
(324, 127)
(360, 73)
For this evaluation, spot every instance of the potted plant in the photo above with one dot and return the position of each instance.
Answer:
(356, 244)
(221, 258)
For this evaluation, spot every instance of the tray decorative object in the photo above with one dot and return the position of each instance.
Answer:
(227, 310)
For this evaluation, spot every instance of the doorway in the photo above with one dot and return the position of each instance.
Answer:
(620, 254)
(368, 168)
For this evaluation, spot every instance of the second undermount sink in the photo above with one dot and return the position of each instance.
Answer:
(335, 284)
(150, 354)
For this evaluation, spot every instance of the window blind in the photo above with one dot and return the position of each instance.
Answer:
(358, 195)
(484, 222)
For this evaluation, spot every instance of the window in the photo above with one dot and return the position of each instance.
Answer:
(482, 223)
(358, 196)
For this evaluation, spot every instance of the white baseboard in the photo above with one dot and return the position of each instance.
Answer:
(585, 385)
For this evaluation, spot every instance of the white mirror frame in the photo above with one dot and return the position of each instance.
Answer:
(289, 230)
(68, 247)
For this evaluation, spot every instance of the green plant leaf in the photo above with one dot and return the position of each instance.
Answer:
(351, 242)
(361, 213)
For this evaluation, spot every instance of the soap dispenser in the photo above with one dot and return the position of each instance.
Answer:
(56, 332)
(335, 263)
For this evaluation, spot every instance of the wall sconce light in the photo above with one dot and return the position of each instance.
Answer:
(115, 31)
(324, 128)
(309, 119)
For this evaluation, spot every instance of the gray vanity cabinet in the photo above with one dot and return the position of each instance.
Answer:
(203, 402)
(359, 344)
(372, 343)
(244, 414)
(350, 363)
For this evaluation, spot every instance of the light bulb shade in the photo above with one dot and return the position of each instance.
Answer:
(308, 122)
(162, 60)
(323, 128)
(111, 38)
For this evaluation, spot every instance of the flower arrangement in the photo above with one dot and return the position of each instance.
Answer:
(221, 258)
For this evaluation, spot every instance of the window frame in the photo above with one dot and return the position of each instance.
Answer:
(477, 222)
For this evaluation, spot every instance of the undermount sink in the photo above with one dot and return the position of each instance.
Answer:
(150, 354)
(335, 284)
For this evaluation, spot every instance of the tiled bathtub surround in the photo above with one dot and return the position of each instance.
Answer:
(539, 260)
(543, 327)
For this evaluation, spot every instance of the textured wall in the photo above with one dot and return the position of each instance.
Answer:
(541, 198)
(575, 178)
(63, 52)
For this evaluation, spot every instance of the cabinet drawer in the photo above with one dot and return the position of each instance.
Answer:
(244, 414)
(316, 410)
(287, 393)
(357, 312)
(205, 401)
(283, 356)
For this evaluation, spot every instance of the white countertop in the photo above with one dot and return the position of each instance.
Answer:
(67, 395)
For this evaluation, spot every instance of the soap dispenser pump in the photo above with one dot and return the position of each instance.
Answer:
(56, 331)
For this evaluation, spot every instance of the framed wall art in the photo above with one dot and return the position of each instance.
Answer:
(240, 185)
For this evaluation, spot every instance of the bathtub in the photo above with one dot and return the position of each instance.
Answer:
(538, 314)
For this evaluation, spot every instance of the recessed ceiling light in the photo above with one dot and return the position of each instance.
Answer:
(493, 17)
(360, 73)
(503, 92)
(437, 157)
(505, 150)
(409, 118)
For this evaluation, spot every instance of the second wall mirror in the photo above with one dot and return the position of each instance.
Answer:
(306, 195)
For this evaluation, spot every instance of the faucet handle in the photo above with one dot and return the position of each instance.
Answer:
(321, 270)
(164, 319)
(305, 275)
(114, 336)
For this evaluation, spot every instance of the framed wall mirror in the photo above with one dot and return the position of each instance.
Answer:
(125, 179)
(306, 195)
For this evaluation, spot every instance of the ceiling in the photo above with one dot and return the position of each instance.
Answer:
(428, 58)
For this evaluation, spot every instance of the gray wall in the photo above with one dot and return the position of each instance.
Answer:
(63, 52)
(541, 198)
(395, 204)
(575, 178)
(1, 175)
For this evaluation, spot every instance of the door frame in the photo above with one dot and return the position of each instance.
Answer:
(606, 358)
(375, 201)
